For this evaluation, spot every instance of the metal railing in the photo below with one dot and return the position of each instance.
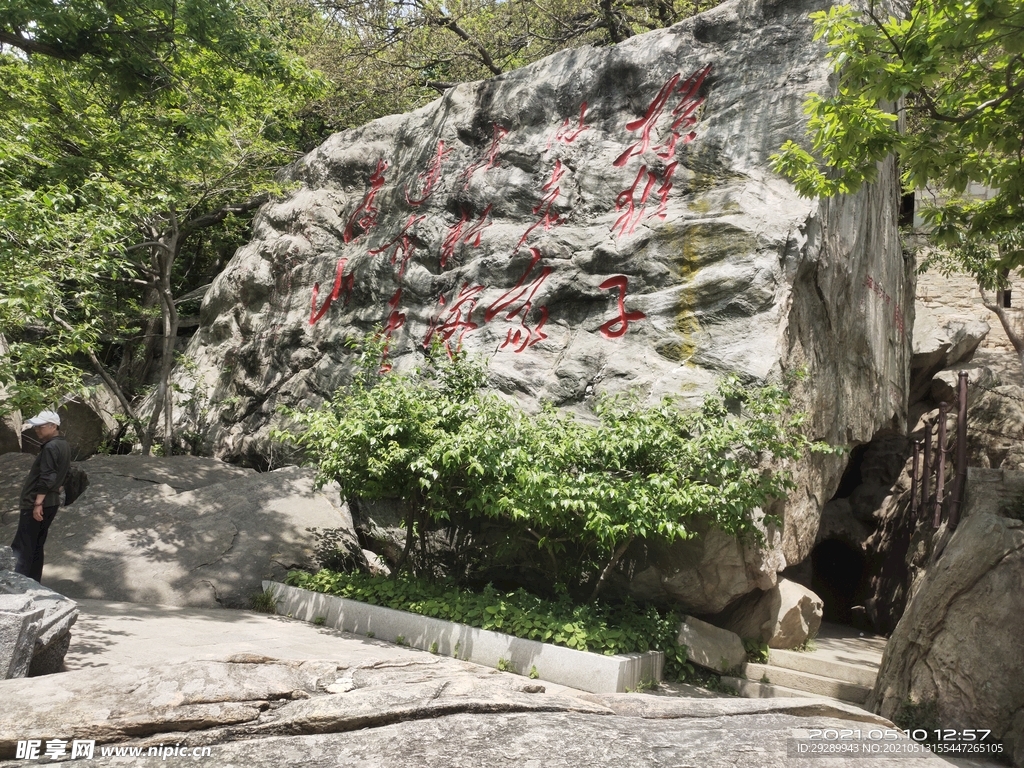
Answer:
(935, 464)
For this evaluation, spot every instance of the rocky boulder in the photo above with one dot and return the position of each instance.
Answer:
(88, 421)
(183, 530)
(707, 572)
(956, 651)
(10, 423)
(35, 623)
(256, 711)
(10, 431)
(785, 616)
(601, 220)
(711, 646)
(941, 341)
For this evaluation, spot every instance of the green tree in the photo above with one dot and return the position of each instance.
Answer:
(105, 187)
(384, 57)
(941, 85)
(504, 484)
(132, 44)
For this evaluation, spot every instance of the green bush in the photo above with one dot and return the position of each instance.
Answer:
(757, 650)
(506, 486)
(598, 627)
(263, 602)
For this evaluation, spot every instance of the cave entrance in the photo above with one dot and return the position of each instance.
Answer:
(837, 577)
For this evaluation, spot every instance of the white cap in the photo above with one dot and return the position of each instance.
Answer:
(43, 417)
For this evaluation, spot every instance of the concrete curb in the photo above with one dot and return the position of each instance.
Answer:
(585, 671)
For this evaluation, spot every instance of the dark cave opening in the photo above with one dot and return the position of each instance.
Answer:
(837, 576)
(852, 477)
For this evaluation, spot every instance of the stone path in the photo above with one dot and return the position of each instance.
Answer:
(110, 633)
(258, 690)
(841, 663)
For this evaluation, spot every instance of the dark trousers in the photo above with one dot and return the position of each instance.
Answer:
(29, 540)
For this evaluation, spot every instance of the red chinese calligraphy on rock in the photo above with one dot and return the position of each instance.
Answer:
(682, 117)
(548, 218)
(618, 326)
(403, 246)
(458, 233)
(519, 301)
(490, 157)
(567, 133)
(396, 319)
(897, 316)
(646, 123)
(364, 217)
(429, 178)
(664, 189)
(457, 318)
(690, 100)
(633, 200)
(342, 284)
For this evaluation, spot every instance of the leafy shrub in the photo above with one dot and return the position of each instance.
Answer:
(503, 484)
(263, 602)
(757, 650)
(596, 626)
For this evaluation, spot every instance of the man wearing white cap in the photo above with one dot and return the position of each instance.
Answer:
(40, 495)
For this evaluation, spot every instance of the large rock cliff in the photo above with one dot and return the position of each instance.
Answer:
(602, 220)
(953, 660)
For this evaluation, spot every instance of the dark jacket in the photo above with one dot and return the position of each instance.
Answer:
(47, 473)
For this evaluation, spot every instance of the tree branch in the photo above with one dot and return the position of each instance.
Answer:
(216, 217)
(1004, 320)
(449, 23)
(616, 556)
(438, 86)
(109, 380)
(31, 46)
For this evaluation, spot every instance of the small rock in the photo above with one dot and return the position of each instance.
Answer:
(50, 632)
(341, 685)
(711, 646)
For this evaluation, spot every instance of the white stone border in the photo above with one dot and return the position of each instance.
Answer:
(585, 671)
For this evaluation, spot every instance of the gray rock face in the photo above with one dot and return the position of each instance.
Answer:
(708, 572)
(711, 646)
(942, 341)
(35, 626)
(599, 221)
(254, 711)
(183, 530)
(88, 421)
(10, 423)
(958, 644)
(10, 432)
(20, 623)
(785, 616)
(181, 473)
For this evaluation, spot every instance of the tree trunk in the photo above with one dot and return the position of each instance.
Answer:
(169, 313)
(138, 353)
(616, 556)
(162, 254)
(1012, 333)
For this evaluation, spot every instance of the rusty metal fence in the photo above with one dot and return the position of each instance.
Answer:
(923, 501)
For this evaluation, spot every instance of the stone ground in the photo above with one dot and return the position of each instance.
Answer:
(263, 690)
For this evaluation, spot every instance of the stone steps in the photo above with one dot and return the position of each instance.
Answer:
(752, 689)
(858, 674)
(810, 683)
(843, 665)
